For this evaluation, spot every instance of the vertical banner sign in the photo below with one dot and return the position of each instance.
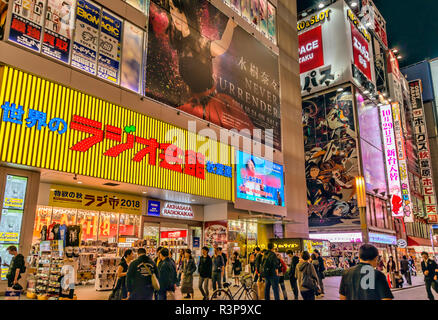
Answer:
(132, 56)
(402, 163)
(84, 55)
(110, 47)
(235, 5)
(26, 23)
(392, 171)
(424, 157)
(361, 53)
(311, 50)
(263, 17)
(58, 29)
(254, 14)
(246, 10)
(378, 23)
(272, 23)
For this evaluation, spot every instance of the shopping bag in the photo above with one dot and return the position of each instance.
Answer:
(389, 280)
(261, 289)
(12, 294)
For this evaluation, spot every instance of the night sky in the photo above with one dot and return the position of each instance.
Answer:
(412, 27)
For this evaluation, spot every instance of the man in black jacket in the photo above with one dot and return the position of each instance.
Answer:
(430, 271)
(16, 267)
(167, 274)
(258, 261)
(269, 272)
(139, 277)
(404, 268)
(205, 269)
(320, 271)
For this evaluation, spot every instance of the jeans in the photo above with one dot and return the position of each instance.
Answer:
(282, 286)
(225, 275)
(145, 294)
(216, 279)
(294, 286)
(431, 283)
(272, 281)
(407, 275)
(321, 283)
(308, 295)
(203, 286)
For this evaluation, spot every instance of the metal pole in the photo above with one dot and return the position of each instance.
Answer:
(363, 225)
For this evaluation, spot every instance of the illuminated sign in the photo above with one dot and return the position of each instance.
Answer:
(392, 171)
(173, 234)
(88, 136)
(355, 237)
(424, 156)
(177, 210)
(311, 50)
(382, 238)
(402, 163)
(320, 17)
(154, 208)
(361, 54)
(358, 25)
(283, 245)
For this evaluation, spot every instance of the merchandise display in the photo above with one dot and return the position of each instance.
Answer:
(106, 272)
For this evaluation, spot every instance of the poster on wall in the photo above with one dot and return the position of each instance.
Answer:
(272, 23)
(246, 10)
(215, 234)
(132, 57)
(254, 14)
(221, 74)
(6, 259)
(110, 47)
(10, 226)
(235, 5)
(84, 53)
(392, 170)
(15, 192)
(331, 159)
(139, 4)
(58, 30)
(26, 23)
(263, 17)
(259, 180)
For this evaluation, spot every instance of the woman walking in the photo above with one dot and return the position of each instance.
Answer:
(391, 267)
(237, 268)
(189, 267)
(306, 277)
(122, 270)
(179, 265)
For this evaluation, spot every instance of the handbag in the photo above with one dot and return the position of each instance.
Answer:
(308, 281)
(261, 289)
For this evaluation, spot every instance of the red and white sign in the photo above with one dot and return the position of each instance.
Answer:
(361, 52)
(173, 234)
(177, 210)
(373, 16)
(311, 50)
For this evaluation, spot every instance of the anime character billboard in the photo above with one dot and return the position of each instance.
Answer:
(200, 62)
(331, 159)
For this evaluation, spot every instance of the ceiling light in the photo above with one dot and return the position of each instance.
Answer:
(399, 57)
(321, 5)
(395, 50)
(354, 4)
(80, 182)
(340, 89)
(144, 192)
(366, 92)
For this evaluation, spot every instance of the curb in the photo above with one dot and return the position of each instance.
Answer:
(406, 288)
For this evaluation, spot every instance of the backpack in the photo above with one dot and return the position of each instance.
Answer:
(268, 265)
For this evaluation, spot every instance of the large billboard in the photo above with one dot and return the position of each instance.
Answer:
(200, 62)
(331, 155)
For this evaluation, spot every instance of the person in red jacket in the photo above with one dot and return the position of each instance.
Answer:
(282, 267)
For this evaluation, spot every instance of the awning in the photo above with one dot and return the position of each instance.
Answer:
(414, 241)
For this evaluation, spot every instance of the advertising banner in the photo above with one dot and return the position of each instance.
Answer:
(15, 192)
(272, 23)
(85, 45)
(331, 155)
(154, 208)
(213, 70)
(58, 30)
(263, 17)
(215, 233)
(132, 57)
(392, 169)
(177, 210)
(259, 180)
(246, 10)
(254, 14)
(235, 5)
(373, 16)
(402, 163)
(27, 23)
(361, 55)
(110, 47)
(10, 226)
(141, 5)
(311, 50)
(115, 143)
(424, 156)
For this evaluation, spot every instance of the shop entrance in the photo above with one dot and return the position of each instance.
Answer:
(175, 238)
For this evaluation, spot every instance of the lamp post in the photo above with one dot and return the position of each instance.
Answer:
(362, 204)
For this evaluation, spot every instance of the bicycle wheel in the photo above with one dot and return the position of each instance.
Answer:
(250, 294)
(221, 294)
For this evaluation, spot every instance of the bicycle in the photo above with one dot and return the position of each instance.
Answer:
(245, 291)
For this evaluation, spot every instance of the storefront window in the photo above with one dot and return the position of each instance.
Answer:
(151, 234)
(129, 225)
(237, 237)
(108, 227)
(42, 218)
(175, 239)
(64, 216)
(88, 220)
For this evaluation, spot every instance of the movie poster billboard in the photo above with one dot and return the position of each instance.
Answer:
(331, 158)
(132, 57)
(85, 44)
(272, 23)
(58, 32)
(263, 17)
(139, 4)
(110, 47)
(27, 23)
(213, 70)
(259, 180)
(254, 14)
(235, 5)
(246, 10)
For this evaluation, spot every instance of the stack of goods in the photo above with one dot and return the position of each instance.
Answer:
(106, 271)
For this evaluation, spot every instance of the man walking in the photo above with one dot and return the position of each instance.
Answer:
(139, 277)
(167, 274)
(257, 263)
(205, 269)
(320, 271)
(269, 271)
(430, 271)
(16, 267)
(218, 269)
(363, 281)
(404, 269)
(224, 257)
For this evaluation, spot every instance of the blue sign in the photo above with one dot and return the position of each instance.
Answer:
(219, 169)
(382, 238)
(196, 242)
(154, 208)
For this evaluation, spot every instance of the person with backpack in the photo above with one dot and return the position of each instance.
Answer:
(167, 275)
(306, 277)
(237, 268)
(269, 272)
(282, 268)
(189, 268)
(141, 277)
(292, 267)
(16, 268)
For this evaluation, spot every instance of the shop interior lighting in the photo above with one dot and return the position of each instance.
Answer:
(340, 89)
(395, 50)
(354, 4)
(321, 5)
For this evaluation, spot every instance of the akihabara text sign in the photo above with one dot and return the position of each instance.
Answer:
(402, 163)
(177, 210)
(422, 142)
(392, 171)
(323, 49)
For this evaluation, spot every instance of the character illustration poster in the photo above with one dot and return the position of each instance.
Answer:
(263, 17)
(331, 160)
(235, 5)
(200, 62)
(254, 13)
(246, 10)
